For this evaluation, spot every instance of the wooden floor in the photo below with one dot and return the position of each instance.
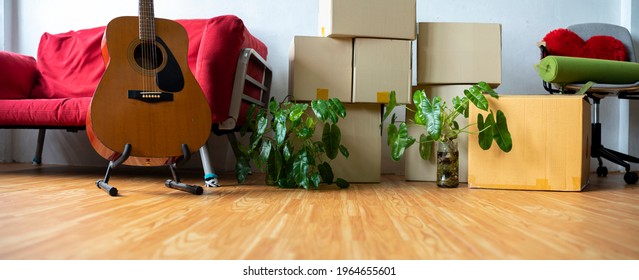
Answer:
(56, 212)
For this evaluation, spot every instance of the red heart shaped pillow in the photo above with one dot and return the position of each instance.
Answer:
(566, 43)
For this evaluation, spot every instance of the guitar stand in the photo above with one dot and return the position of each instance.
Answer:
(104, 184)
(173, 184)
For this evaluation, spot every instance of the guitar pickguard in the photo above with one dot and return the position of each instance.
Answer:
(154, 58)
(170, 77)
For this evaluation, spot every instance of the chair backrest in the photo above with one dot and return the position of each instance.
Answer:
(587, 30)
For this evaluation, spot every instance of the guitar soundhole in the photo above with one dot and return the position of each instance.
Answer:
(148, 56)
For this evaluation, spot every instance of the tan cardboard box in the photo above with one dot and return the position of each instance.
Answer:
(380, 66)
(417, 169)
(361, 134)
(321, 68)
(551, 145)
(458, 53)
(368, 18)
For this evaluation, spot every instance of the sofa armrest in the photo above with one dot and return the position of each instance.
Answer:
(18, 74)
(222, 43)
(252, 85)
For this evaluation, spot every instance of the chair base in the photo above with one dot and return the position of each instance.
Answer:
(598, 151)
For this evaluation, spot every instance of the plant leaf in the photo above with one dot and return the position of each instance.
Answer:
(400, 141)
(305, 133)
(296, 112)
(432, 112)
(242, 168)
(341, 183)
(461, 105)
(475, 96)
(320, 109)
(315, 180)
(501, 134)
(338, 107)
(331, 137)
(287, 150)
(326, 172)
(256, 141)
(273, 106)
(286, 183)
(419, 100)
(486, 88)
(300, 169)
(266, 151)
(344, 151)
(419, 96)
(280, 129)
(392, 103)
(391, 131)
(485, 130)
(425, 147)
(274, 167)
(262, 123)
(250, 120)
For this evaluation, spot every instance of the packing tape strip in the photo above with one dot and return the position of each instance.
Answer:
(322, 94)
(383, 97)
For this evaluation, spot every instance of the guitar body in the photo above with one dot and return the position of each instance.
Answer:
(155, 105)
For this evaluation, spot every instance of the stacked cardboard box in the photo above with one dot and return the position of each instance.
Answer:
(363, 52)
(450, 58)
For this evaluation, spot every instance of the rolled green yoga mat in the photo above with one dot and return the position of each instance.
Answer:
(566, 70)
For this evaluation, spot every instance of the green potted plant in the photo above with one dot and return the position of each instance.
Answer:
(282, 143)
(439, 122)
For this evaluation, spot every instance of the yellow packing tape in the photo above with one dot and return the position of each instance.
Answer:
(383, 97)
(322, 94)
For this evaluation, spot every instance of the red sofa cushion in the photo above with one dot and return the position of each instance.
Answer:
(44, 112)
(225, 38)
(70, 64)
(17, 75)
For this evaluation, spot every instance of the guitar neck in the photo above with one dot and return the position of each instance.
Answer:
(147, 21)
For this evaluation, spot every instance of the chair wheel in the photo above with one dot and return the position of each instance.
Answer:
(602, 171)
(631, 178)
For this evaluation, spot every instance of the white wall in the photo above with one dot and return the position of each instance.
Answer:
(524, 23)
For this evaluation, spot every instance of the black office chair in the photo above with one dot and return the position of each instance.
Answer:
(600, 91)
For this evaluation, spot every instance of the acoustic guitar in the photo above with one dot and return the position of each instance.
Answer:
(147, 97)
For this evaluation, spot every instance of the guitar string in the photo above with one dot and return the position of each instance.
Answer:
(145, 45)
(155, 55)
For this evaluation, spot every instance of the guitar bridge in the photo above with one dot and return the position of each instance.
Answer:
(150, 96)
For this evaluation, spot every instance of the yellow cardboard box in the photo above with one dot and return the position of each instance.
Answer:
(321, 68)
(418, 169)
(380, 66)
(368, 18)
(458, 53)
(551, 145)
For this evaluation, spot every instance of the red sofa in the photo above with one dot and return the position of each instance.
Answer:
(54, 91)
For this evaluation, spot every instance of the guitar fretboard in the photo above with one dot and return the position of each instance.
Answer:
(147, 21)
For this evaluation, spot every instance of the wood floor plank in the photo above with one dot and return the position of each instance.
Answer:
(57, 212)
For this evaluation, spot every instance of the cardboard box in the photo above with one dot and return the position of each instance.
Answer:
(361, 134)
(458, 53)
(380, 66)
(321, 68)
(418, 169)
(551, 145)
(368, 18)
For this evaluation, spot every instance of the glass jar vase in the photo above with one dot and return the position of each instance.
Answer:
(447, 164)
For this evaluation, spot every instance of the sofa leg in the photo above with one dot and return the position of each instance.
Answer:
(37, 158)
(210, 178)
